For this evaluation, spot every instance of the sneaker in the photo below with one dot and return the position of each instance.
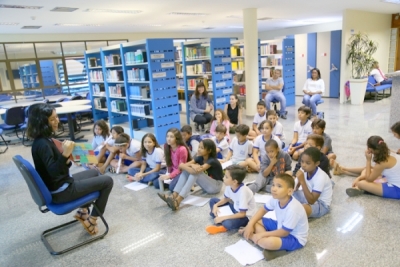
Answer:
(273, 254)
(214, 229)
(283, 116)
(353, 192)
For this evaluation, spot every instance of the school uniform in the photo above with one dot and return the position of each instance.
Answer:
(292, 218)
(259, 118)
(240, 152)
(152, 160)
(134, 147)
(243, 200)
(223, 146)
(193, 144)
(323, 164)
(260, 141)
(318, 182)
(278, 130)
(391, 189)
(327, 143)
(303, 131)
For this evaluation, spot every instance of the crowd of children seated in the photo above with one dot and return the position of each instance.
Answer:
(188, 159)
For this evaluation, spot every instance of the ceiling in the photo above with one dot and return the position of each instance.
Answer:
(222, 15)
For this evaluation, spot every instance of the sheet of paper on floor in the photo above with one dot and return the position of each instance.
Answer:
(244, 253)
(262, 198)
(136, 186)
(226, 164)
(224, 211)
(195, 201)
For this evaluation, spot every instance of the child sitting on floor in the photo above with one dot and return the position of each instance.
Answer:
(318, 126)
(260, 116)
(274, 162)
(220, 118)
(290, 230)
(108, 152)
(302, 129)
(221, 142)
(240, 148)
(277, 126)
(192, 141)
(152, 161)
(129, 154)
(316, 192)
(239, 198)
(396, 133)
(101, 134)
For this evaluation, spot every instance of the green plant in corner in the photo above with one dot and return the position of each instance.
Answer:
(359, 55)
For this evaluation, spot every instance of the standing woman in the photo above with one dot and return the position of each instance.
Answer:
(200, 107)
(234, 112)
(53, 167)
(313, 89)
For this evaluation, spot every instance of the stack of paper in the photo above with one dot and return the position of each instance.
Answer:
(224, 211)
(136, 186)
(245, 253)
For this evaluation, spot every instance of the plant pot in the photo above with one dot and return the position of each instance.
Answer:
(358, 87)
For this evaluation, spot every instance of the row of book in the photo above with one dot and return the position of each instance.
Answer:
(269, 49)
(139, 92)
(237, 51)
(115, 75)
(100, 102)
(200, 68)
(178, 68)
(237, 65)
(178, 54)
(138, 56)
(193, 82)
(118, 105)
(140, 109)
(98, 89)
(180, 84)
(197, 52)
(270, 62)
(239, 77)
(96, 76)
(138, 74)
(112, 60)
(117, 91)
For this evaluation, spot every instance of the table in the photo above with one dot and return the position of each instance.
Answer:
(68, 111)
(18, 104)
(74, 103)
(53, 98)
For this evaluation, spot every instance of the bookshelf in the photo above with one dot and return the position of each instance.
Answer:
(77, 76)
(209, 61)
(134, 85)
(238, 65)
(29, 77)
(280, 54)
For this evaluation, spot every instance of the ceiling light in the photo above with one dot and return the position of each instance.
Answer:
(31, 27)
(20, 7)
(9, 23)
(188, 14)
(114, 11)
(391, 1)
(75, 25)
(64, 9)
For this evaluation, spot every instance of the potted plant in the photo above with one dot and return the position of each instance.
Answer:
(359, 55)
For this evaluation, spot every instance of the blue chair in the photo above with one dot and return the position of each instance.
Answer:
(42, 197)
(371, 88)
(13, 119)
(4, 141)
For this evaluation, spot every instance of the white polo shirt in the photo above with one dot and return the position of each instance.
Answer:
(243, 199)
(302, 130)
(259, 143)
(223, 145)
(133, 148)
(240, 152)
(321, 183)
(278, 130)
(258, 119)
(157, 157)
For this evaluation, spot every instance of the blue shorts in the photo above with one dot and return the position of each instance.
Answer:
(126, 162)
(289, 242)
(96, 153)
(390, 191)
(287, 148)
(319, 208)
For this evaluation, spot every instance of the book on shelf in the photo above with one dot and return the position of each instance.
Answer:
(139, 92)
(98, 89)
(193, 82)
(266, 73)
(237, 51)
(200, 68)
(137, 74)
(100, 102)
(180, 83)
(140, 109)
(115, 75)
(112, 60)
(239, 77)
(178, 54)
(118, 105)
(197, 52)
(135, 57)
(178, 68)
(96, 75)
(268, 49)
(271, 62)
(117, 91)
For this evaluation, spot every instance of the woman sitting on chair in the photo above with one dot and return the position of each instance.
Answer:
(313, 89)
(53, 167)
(274, 87)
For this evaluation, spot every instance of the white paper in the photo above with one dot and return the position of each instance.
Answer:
(195, 201)
(226, 164)
(244, 253)
(224, 211)
(271, 215)
(168, 181)
(136, 186)
(262, 198)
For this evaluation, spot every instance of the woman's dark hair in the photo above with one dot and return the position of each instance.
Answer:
(261, 126)
(317, 70)
(38, 122)
(396, 128)
(210, 147)
(104, 128)
(143, 150)
(196, 92)
(179, 142)
(117, 129)
(381, 150)
(238, 100)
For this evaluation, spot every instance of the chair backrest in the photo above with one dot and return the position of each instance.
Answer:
(15, 116)
(39, 191)
(371, 82)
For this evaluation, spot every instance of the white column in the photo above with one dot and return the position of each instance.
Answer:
(250, 33)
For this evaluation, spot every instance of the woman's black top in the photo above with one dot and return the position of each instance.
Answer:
(233, 114)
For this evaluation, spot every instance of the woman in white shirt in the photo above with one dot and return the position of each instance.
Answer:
(313, 89)
(379, 76)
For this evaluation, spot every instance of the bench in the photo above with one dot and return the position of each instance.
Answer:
(377, 89)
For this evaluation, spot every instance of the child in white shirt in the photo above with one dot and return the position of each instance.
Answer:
(277, 126)
(129, 154)
(302, 129)
(240, 148)
(220, 142)
(260, 116)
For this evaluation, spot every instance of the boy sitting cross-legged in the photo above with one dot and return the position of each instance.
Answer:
(289, 232)
(302, 129)
(243, 205)
(220, 142)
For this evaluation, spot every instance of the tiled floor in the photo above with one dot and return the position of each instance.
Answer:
(361, 231)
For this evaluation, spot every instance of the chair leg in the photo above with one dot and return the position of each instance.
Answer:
(6, 144)
(55, 229)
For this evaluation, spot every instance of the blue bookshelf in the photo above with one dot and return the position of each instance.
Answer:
(280, 54)
(139, 76)
(77, 76)
(237, 55)
(29, 77)
(209, 61)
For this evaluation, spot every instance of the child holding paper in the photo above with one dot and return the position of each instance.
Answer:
(290, 230)
(243, 206)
